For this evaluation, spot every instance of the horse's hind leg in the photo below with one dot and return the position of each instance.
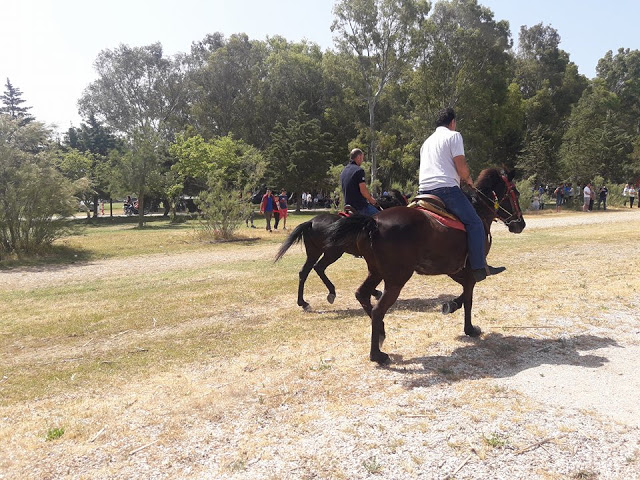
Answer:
(452, 305)
(378, 335)
(302, 278)
(329, 257)
(465, 278)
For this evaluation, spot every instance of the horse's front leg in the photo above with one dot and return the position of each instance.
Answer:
(467, 296)
(364, 292)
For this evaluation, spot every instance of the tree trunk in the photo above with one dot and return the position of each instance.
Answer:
(141, 210)
(372, 145)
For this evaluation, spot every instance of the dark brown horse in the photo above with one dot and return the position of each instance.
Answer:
(400, 241)
(314, 234)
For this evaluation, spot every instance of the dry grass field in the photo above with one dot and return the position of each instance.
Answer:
(157, 355)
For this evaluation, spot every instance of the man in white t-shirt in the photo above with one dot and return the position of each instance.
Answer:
(442, 167)
(587, 197)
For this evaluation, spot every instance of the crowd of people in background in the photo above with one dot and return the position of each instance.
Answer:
(276, 206)
(565, 194)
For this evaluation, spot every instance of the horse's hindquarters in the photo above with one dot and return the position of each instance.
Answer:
(409, 239)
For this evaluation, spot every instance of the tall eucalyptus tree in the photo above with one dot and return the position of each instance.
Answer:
(379, 34)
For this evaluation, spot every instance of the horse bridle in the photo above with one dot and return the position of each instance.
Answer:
(513, 199)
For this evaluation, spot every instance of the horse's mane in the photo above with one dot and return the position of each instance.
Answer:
(488, 178)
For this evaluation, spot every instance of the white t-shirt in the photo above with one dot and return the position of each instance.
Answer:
(587, 192)
(437, 169)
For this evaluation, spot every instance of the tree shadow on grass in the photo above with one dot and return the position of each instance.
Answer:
(57, 257)
(499, 356)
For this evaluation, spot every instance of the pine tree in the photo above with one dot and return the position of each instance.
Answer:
(12, 99)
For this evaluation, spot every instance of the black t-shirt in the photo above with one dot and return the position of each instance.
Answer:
(351, 178)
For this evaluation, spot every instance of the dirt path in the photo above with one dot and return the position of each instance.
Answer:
(35, 277)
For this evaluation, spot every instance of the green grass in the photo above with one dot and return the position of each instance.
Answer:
(77, 335)
(54, 434)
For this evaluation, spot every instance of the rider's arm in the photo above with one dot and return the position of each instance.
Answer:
(365, 193)
(463, 169)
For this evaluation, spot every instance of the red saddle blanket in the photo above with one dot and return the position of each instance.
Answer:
(447, 222)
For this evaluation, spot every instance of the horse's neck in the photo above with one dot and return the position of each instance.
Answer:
(486, 213)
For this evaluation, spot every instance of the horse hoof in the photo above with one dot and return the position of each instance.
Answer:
(381, 358)
(331, 297)
(306, 307)
(474, 332)
(377, 294)
(449, 307)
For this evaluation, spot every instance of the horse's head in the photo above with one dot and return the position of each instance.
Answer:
(497, 191)
(392, 198)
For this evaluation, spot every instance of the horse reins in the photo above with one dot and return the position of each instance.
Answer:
(511, 193)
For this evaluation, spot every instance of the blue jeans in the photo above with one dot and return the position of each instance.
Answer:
(461, 207)
(369, 210)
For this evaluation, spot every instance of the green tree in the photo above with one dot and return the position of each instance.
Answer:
(298, 155)
(226, 172)
(137, 89)
(35, 198)
(597, 141)
(466, 62)
(550, 85)
(140, 168)
(226, 90)
(378, 34)
(238, 165)
(12, 101)
(94, 140)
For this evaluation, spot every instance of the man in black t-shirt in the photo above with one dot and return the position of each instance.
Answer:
(354, 188)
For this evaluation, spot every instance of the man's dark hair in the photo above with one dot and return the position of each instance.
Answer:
(354, 153)
(445, 117)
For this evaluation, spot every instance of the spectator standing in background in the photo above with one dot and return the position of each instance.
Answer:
(267, 206)
(283, 207)
(625, 195)
(602, 196)
(632, 196)
(587, 197)
(558, 193)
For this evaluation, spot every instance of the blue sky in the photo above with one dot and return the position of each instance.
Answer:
(47, 47)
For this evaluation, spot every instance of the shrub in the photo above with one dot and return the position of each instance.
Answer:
(223, 210)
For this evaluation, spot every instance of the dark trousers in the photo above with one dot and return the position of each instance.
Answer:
(267, 216)
(276, 218)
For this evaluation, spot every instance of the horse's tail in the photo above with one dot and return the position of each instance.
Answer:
(345, 232)
(296, 236)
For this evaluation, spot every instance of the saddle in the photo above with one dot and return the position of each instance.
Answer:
(435, 207)
(348, 211)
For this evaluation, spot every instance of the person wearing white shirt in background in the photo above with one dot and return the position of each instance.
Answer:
(587, 197)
